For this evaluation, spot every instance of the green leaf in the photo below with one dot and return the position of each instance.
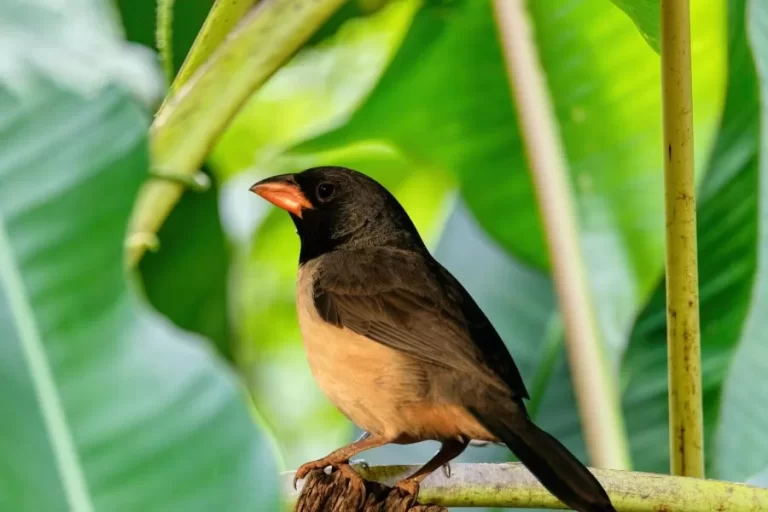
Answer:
(741, 444)
(728, 209)
(113, 408)
(609, 115)
(316, 91)
(647, 16)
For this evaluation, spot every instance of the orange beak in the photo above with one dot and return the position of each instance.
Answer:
(283, 192)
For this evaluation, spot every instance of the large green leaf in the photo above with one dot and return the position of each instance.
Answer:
(445, 101)
(741, 444)
(727, 240)
(107, 405)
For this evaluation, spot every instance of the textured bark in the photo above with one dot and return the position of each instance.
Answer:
(336, 493)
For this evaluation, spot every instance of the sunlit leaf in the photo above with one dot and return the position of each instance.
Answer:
(316, 91)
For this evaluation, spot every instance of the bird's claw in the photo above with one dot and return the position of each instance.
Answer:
(306, 468)
(409, 487)
(447, 469)
(360, 462)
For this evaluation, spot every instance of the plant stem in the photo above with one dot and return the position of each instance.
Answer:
(164, 36)
(512, 485)
(686, 429)
(594, 384)
(189, 123)
(224, 16)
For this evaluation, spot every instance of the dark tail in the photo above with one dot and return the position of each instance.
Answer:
(549, 461)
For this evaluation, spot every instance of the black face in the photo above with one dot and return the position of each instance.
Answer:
(342, 208)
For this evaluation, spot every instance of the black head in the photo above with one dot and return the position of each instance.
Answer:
(336, 208)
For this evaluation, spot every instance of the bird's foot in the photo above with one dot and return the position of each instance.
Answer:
(304, 470)
(408, 486)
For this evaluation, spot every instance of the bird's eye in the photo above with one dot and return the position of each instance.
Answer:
(324, 191)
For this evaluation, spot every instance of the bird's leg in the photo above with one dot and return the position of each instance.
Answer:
(365, 435)
(339, 459)
(450, 449)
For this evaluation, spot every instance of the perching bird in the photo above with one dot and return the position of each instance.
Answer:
(396, 342)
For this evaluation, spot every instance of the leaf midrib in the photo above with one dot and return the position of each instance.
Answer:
(56, 425)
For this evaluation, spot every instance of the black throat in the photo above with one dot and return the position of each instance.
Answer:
(320, 238)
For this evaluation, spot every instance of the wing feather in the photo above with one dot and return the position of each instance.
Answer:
(407, 301)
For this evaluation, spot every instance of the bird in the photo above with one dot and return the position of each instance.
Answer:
(398, 345)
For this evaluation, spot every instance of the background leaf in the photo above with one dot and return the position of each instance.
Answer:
(113, 407)
(316, 91)
(741, 447)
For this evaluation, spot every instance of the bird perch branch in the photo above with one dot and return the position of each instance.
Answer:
(511, 485)
(594, 384)
(686, 424)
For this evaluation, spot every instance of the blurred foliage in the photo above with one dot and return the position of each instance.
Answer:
(106, 405)
(415, 94)
(742, 445)
(187, 279)
(139, 23)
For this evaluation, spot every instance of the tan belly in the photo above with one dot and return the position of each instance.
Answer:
(373, 385)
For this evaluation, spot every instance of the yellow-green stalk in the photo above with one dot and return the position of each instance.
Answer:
(686, 431)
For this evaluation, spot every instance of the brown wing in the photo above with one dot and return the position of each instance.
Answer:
(407, 301)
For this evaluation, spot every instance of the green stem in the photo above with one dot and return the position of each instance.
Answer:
(164, 36)
(224, 16)
(512, 485)
(189, 122)
(686, 424)
(594, 383)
